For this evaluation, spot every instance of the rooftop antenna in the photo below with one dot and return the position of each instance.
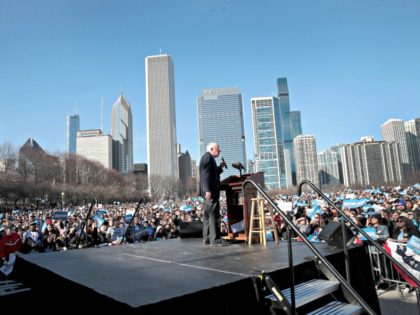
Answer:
(76, 108)
(102, 114)
(160, 51)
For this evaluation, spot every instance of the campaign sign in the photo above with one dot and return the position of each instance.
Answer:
(414, 244)
(284, 206)
(60, 215)
(371, 231)
(98, 220)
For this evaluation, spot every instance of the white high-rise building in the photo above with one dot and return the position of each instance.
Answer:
(371, 162)
(412, 132)
(122, 136)
(393, 130)
(160, 116)
(94, 145)
(328, 168)
(306, 159)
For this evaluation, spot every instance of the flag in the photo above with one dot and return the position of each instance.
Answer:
(406, 257)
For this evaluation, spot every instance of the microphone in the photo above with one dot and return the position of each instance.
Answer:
(224, 163)
(238, 166)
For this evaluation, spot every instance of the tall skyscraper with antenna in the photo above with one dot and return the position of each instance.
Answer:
(122, 136)
(291, 125)
(160, 116)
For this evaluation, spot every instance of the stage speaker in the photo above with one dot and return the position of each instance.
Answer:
(191, 229)
(333, 235)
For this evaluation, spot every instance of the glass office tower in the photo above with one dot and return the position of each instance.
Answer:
(291, 126)
(221, 120)
(122, 136)
(268, 141)
(73, 126)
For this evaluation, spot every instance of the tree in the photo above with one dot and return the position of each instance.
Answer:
(8, 157)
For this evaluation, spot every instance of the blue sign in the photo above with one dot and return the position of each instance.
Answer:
(371, 231)
(98, 220)
(60, 215)
(414, 244)
(186, 208)
(354, 203)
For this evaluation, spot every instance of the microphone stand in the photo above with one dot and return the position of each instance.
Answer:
(84, 224)
(132, 219)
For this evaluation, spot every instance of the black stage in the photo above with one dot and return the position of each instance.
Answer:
(176, 273)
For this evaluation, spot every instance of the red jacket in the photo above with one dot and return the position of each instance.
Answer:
(10, 243)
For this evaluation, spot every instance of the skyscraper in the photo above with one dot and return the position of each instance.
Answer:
(160, 116)
(268, 141)
(221, 120)
(412, 132)
(291, 125)
(328, 168)
(185, 170)
(122, 136)
(306, 159)
(371, 162)
(337, 149)
(393, 131)
(73, 126)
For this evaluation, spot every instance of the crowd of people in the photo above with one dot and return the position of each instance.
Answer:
(393, 212)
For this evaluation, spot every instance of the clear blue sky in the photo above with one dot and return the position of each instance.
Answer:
(350, 65)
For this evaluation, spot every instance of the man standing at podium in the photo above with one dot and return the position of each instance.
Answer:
(210, 191)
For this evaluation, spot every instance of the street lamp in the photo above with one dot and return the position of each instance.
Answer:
(62, 200)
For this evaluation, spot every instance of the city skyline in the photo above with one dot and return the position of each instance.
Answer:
(348, 72)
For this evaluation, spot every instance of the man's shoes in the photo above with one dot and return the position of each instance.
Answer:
(206, 242)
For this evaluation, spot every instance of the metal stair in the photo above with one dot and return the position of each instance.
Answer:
(336, 307)
(308, 292)
(334, 295)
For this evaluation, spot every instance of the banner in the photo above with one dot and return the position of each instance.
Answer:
(354, 203)
(406, 257)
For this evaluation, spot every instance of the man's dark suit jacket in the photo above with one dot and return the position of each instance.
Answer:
(209, 176)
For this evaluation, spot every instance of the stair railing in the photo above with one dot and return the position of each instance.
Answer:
(345, 285)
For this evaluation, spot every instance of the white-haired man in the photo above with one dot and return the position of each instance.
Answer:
(210, 191)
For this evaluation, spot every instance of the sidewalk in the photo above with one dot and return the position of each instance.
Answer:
(392, 303)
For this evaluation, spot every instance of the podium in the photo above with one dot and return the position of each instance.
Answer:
(238, 203)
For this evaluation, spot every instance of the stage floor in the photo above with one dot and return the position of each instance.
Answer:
(146, 273)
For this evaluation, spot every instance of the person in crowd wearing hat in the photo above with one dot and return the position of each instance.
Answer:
(382, 233)
(405, 229)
